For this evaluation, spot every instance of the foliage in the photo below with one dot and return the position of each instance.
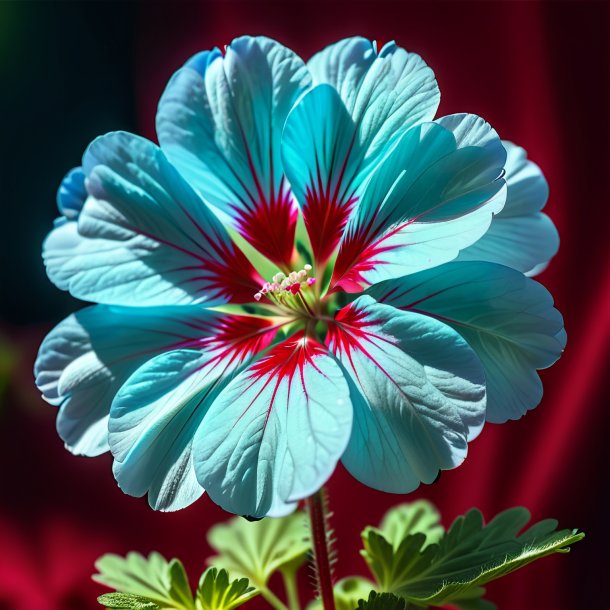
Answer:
(469, 555)
(152, 583)
(255, 550)
(414, 561)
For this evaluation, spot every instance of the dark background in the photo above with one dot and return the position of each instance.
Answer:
(539, 72)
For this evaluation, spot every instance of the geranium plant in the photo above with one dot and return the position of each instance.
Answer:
(309, 268)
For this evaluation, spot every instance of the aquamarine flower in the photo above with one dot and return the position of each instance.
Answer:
(310, 268)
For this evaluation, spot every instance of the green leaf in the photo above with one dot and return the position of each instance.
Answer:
(152, 577)
(382, 601)
(348, 591)
(416, 517)
(126, 601)
(469, 555)
(255, 550)
(217, 592)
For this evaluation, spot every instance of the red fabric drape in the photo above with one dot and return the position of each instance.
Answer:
(539, 73)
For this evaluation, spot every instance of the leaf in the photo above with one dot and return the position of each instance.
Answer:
(255, 550)
(469, 555)
(152, 577)
(403, 520)
(126, 601)
(217, 592)
(382, 601)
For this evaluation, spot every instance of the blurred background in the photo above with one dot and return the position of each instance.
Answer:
(538, 72)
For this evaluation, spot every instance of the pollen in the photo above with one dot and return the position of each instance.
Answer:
(292, 290)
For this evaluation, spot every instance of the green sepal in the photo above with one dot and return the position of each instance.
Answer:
(255, 550)
(217, 592)
(152, 577)
(127, 601)
(469, 555)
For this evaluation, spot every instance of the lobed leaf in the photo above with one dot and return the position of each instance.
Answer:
(469, 555)
(410, 518)
(255, 550)
(217, 592)
(153, 578)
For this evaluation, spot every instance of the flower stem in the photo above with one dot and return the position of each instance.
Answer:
(316, 505)
(273, 599)
(292, 589)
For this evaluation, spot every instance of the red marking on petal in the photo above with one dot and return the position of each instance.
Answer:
(270, 225)
(325, 213)
(288, 357)
(348, 334)
(359, 253)
(325, 219)
(224, 269)
(239, 337)
(283, 362)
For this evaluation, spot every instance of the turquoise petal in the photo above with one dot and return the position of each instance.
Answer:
(432, 196)
(276, 432)
(385, 92)
(418, 392)
(144, 237)
(220, 121)
(322, 159)
(71, 194)
(85, 359)
(156, 413)
(520, 236)
(153, 420)
(508, 319)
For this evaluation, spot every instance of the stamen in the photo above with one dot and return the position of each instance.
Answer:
(287, 290)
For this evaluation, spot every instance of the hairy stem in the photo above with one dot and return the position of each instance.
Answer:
(316, 505)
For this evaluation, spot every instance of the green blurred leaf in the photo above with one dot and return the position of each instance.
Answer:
(382, 601)
(416, 517)
(217, 592)
(255, 550)
(152, 577)
(126, 601)
(469, 555)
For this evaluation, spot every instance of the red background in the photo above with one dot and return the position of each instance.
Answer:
(538, 72)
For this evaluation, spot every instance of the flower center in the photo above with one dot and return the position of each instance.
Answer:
(292, 292)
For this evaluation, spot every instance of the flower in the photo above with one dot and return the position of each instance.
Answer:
(310, 268)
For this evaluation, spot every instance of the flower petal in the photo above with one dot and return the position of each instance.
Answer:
(508, 319)
(386, 93)
(418, 392)
(143, 236)
(322, 158)
(276, 432)
(155, 414)
(220, 121)
(431, 197)
(72, 194)
(520, 236)
(85, 359)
